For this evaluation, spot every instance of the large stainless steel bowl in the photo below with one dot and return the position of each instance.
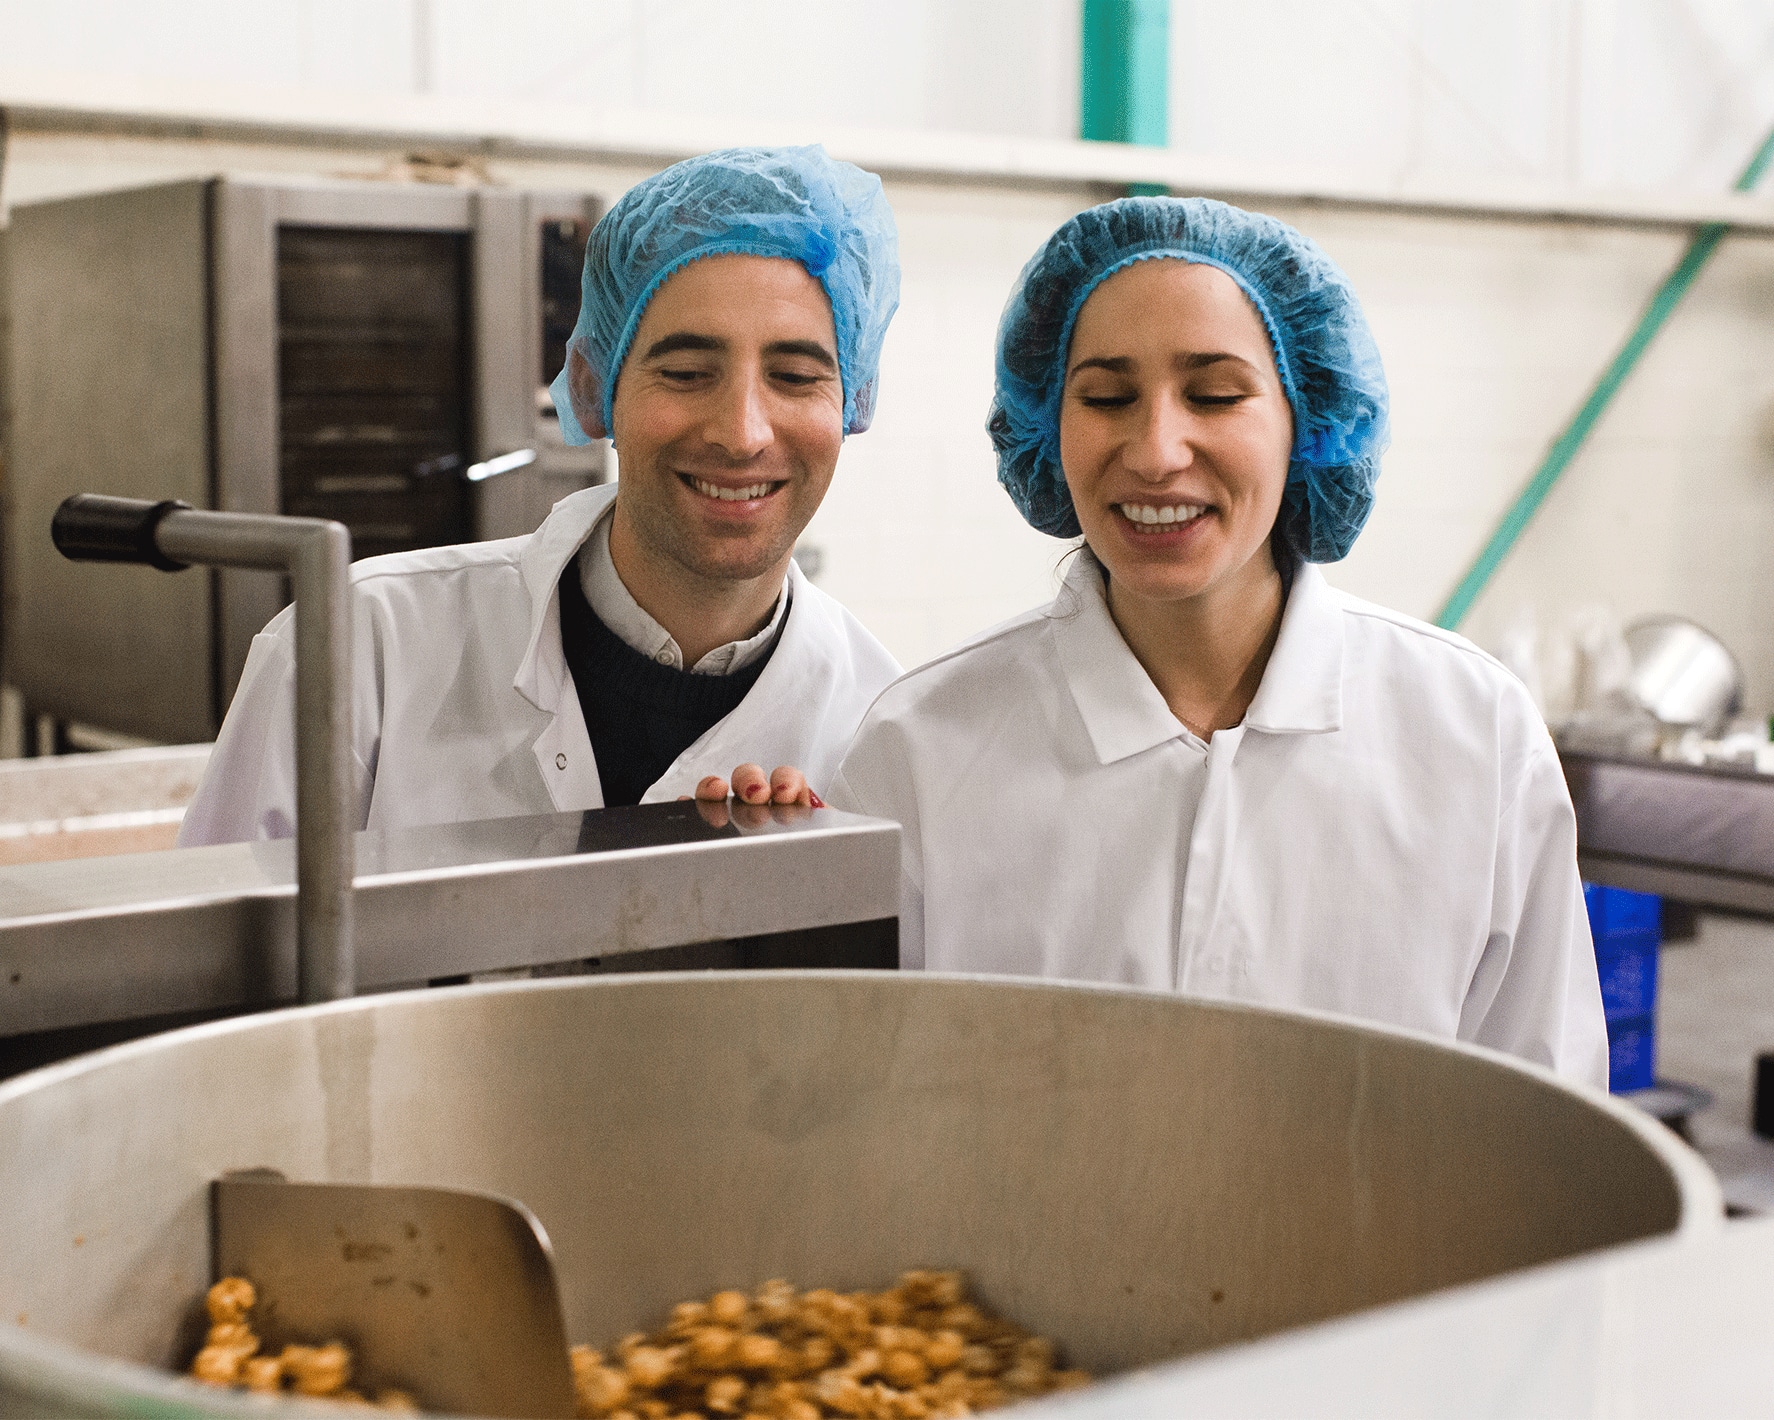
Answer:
(1139, 1176)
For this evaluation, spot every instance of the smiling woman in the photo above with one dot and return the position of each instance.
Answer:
(1202, 769)
(1174, 439)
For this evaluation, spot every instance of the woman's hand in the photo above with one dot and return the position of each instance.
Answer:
(750, 786)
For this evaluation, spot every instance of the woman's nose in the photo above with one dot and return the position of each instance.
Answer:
(1161, 445)
(739, 425)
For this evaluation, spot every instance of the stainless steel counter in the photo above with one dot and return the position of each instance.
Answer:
(143, 935)
(1701, 835)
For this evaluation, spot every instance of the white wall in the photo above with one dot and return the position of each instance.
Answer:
(995, 66)
(1611, 93)
(1615, 93)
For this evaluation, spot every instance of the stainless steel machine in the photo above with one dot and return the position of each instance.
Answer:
(361, 352)
(1141, 1177)
(105, 947)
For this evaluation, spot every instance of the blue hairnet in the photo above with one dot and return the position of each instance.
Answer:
(1324, 353)
(785, 202)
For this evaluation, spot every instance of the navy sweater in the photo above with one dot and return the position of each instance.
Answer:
(641, 715)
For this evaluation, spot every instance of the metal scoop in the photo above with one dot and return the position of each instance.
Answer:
(445, 1294)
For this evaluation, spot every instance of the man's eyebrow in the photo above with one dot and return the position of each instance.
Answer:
(812, 349)
(682, 340)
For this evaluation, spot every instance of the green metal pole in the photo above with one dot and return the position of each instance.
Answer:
(1564, 448)
(1124, 83)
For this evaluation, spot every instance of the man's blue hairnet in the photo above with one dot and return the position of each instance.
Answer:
(1324, 353)
(795, 203)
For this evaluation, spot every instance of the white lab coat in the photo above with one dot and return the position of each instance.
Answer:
(464, 707)
(1387, 835)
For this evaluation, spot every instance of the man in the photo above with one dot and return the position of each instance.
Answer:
(654, 633)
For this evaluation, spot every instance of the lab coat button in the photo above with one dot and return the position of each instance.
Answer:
(560, 761)
(663, 657)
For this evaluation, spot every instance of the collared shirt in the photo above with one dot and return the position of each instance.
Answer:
(616, 607)
(1386, 835)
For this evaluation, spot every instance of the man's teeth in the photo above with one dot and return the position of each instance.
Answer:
(731, 495)
(1153, 514)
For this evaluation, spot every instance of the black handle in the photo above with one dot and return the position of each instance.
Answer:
(90, 527)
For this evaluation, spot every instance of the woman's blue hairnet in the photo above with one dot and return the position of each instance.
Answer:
(1324, 353)
(795, 203)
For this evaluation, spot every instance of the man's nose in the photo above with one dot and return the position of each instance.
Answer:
(1163, 442)
(739, 424)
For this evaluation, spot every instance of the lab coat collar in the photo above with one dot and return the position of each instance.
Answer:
(1302, 689)
(1123, 711)
(543, 669)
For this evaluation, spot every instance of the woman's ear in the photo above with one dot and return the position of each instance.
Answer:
(587, 394)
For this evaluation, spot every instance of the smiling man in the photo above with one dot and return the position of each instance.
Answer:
(655, 633)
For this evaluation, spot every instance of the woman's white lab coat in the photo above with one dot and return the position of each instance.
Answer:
(1387, 835)
(465, 709)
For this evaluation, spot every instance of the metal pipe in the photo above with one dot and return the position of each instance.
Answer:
(316, 555)
(1124, 77)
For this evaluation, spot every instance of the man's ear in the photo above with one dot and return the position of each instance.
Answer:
(587, 395)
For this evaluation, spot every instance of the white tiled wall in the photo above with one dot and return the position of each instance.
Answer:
(1492, 333)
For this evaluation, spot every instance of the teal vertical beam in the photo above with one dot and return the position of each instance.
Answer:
(1564, 448)
(1124, 83)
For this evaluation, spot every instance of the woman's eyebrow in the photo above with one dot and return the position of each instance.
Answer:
(1193, 360)
(1201, 358)
(1114, 364)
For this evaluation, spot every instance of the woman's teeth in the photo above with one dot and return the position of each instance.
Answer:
(1149, 517)
(731, 495)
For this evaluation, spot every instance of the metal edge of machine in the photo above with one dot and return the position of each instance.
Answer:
(1700, 835)
(198, 929)
(84, 1383)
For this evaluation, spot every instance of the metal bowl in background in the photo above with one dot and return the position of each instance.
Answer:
(1682, 674)
(1137, 1175)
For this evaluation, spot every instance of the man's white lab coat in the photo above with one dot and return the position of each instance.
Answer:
(1387, 835)
(464, 707)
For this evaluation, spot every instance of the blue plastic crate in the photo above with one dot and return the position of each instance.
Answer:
(1628, 970)
(1627, 928)
(1613, 911)
(1632, 1053)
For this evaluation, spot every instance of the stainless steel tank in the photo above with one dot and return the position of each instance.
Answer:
(1139, 1176)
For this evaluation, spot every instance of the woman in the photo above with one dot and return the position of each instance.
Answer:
(1201, 768)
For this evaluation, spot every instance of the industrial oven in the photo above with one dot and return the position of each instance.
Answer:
(367, 352)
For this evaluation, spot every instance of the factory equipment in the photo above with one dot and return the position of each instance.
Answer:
(455, 1286)
(315, 554)
(1139, 1176)
(352, 351)
(1682, 675)
(1701, 834)
(97, 948)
